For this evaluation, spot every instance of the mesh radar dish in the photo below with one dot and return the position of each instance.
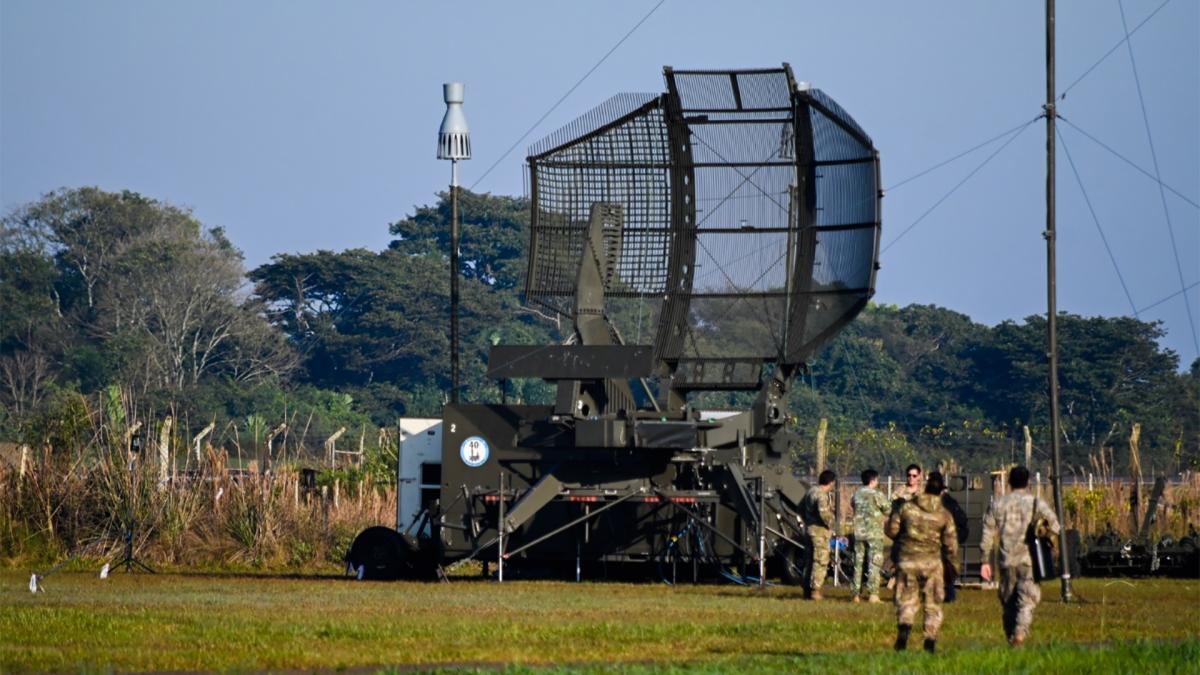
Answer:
(744, 220)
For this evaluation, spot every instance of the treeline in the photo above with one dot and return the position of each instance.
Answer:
(118, 294)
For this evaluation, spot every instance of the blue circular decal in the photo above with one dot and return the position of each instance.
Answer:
(474, 452)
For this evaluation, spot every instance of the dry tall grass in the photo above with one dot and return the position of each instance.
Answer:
(187, 507)
(84, 504)
(1107, 504)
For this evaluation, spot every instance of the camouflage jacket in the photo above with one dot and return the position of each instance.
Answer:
(924, 531)
(904, 494)
(817, 508)
(1007, 523)
(870, 510)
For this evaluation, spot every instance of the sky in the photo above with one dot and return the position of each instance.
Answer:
(301, 125)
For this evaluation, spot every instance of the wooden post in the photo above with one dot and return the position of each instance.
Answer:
(24, 463)
(1135, 475)
(822, 428)
(331, 445)
(1028, 447)
(200, 438)
(164, 450)
(274, 433)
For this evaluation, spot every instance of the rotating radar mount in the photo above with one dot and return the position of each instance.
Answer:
(701, 241)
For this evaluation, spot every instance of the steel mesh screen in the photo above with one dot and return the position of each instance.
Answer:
(742, 142)
(615, 154)
(847, 218)
(757, 289)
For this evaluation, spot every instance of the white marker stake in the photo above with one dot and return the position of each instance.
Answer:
(104, 571)
(33, 583)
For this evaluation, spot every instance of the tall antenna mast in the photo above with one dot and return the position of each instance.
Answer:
(454, 143)
(1052, 304)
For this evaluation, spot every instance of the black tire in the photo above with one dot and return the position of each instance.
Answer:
(383, 554)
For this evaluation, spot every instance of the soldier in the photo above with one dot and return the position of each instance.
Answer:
(912, 484)
(902, 494)
(1008, 521)
(817, 510)
(870, 510)
(924, 532)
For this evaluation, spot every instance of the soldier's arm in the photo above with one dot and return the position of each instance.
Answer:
(882, 503)
(988, 538)
(826, 506)
(892, 529)
(950, 544)
(1047, 513)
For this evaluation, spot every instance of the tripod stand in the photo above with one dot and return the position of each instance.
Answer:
(130, 560)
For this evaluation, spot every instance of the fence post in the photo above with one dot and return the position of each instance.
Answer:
(1135, 476)
(1028, 447)
(164, 451)
(822, 428)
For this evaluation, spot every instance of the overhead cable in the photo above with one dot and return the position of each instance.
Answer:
(569, 92)
(1130, 162)
(964, 153)
(954, 189)
(1171, 296)
(1110, 51)
(1096, 220)
(1158, 177)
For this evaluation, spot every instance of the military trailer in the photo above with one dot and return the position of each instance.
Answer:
(709, 238)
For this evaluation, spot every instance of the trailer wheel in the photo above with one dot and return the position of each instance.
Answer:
(381, 553)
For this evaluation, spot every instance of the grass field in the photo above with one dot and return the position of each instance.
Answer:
(198, 622)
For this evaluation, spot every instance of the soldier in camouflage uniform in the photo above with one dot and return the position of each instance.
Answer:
(871, 508)
(924, 532)
(817, 511)
(904, 493)
(1007, 523)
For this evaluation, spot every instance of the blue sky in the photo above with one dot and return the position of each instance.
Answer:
(300, 126)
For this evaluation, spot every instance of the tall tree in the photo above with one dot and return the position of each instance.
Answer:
(145, 294)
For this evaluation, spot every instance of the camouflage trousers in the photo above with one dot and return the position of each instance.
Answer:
(1019, 594)
(868, 554)
(916, 580)
(819, 538)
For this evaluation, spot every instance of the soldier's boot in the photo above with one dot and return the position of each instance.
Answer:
(874, 599)
(1017, 641)
(856, 599)
(816, 595)
(902, 637)
(930, 645)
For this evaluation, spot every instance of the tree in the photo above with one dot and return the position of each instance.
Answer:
(130, 289)
(494, 236)
(375, 324)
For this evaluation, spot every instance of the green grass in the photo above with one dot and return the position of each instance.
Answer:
(221, 622)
